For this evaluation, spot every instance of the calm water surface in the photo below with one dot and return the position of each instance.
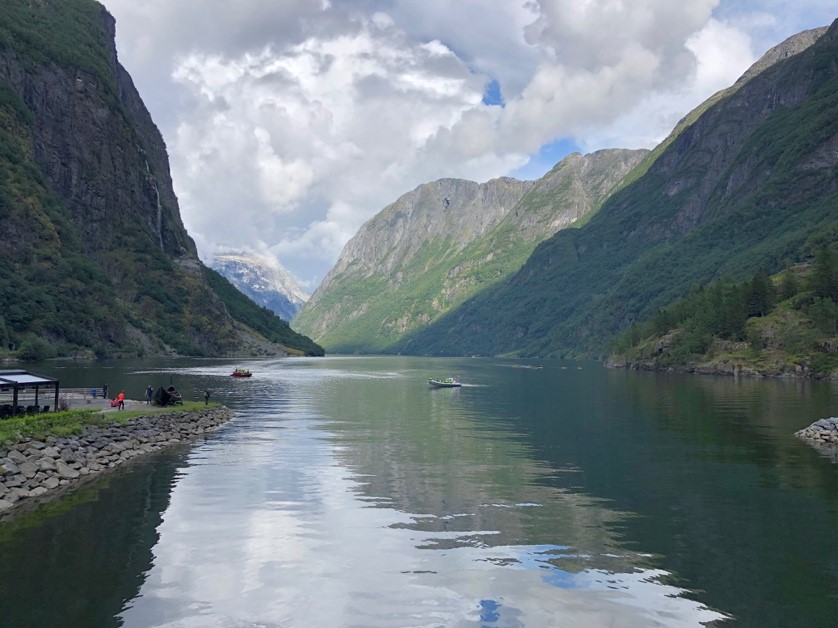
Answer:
(347, 493)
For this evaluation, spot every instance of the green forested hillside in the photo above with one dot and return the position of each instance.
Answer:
(95, 258)
(749, 184)
(787, 324)
(433, 248)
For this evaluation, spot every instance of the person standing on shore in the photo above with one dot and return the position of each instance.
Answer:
(120, 398)
(149, 393)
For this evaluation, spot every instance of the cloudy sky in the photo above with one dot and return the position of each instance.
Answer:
(289, 123)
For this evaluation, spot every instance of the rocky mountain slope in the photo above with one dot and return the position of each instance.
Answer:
(264, 282)
(748, 184)
(96, 257)
(445, 241)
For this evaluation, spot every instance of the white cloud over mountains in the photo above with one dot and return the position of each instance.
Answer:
(291, 123)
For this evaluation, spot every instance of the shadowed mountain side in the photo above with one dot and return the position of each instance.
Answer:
(443, 242)
(752, 182)
(97, 260)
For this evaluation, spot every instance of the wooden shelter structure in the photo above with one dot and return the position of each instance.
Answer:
(18, 387)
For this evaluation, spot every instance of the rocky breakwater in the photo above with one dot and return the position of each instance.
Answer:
(822, 435)
(32, 471)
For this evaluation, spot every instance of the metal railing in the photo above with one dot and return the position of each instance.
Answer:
(81, 393)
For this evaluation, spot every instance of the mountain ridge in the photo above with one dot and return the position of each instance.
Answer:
(443, 241)
(746, 185)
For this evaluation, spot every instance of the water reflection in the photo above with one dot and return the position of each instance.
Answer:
(346, 492)
(76, 562)
(368, 500)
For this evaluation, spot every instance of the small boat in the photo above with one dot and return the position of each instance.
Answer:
(447, 382)
(241, 373)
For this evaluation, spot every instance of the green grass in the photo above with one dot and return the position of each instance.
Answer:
(71, 422)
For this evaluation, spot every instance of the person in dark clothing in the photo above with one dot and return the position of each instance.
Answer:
(149, 393)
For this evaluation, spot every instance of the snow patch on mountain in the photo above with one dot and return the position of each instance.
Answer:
(264, 281)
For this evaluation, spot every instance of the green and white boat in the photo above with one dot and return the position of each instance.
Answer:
(446, 382)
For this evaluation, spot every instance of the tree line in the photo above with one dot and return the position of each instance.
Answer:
(721, 309)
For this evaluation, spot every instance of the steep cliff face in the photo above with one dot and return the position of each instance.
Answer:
(96, 144)
(449, 209)
(572, 191)
(443, 242)
(748, 184)
(91, 224)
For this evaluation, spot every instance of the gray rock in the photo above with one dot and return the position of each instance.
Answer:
(16, 457)
(68, 455)
(28, 469)
(47, 468)
(10, 468)
(50, 452)
(50, 483)
(46, 464)
(65, 471)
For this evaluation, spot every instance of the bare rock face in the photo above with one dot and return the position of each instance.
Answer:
(793, 45)
(452, 209)
(442, 242)
(100, 151)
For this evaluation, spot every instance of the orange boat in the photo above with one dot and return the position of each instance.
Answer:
(241, 373)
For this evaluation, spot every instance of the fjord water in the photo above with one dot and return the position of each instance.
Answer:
(346, 492)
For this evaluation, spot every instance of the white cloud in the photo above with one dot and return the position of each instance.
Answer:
(290, 124)
(721, 55)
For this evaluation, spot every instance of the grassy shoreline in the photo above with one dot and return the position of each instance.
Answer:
(70, 422)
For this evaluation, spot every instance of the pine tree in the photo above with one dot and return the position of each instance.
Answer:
(759, 295)
(824, 278)
(789, 286)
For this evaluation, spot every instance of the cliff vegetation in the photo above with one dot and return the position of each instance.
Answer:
(96, 260)
(748, 184)
(432, 249)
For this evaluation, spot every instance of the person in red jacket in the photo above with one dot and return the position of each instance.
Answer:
(121, 400)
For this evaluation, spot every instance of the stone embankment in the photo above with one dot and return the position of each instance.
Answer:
(32, 471)
(823, 435)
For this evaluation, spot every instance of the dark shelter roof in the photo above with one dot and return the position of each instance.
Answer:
(24, 379)
(12, 382)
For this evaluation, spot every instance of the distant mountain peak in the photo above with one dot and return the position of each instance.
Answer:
(263, 280)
